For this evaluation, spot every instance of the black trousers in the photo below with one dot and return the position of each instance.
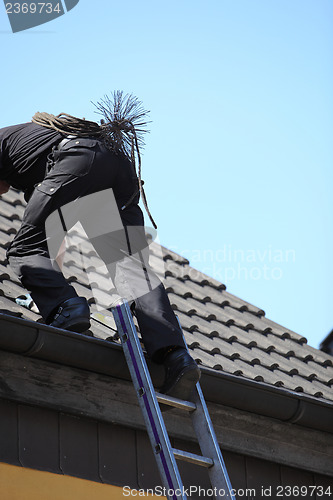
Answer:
(88, 183)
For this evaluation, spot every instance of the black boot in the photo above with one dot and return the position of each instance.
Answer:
(73, 314)
(181, 374)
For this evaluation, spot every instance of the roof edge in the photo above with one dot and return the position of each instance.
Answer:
(47, 343)
(266, 400)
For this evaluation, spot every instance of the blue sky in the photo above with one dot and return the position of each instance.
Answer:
(238, 164)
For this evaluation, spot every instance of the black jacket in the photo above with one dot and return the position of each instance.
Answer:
(23, 153)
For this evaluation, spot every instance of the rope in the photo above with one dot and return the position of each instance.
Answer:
(112, 133)
(68, 124)
(142, 191)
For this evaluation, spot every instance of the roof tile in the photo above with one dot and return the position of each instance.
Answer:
(237, 367)
(280, 331)
(250, 335)
(240, 304)
(215, 328)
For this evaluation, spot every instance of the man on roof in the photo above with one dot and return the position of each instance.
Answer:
(59, 162)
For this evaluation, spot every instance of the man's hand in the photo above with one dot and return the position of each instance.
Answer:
(4, 187)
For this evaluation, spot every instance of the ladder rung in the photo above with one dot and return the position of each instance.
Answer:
(176, 403)
(192, 458)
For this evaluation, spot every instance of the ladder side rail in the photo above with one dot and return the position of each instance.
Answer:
(148, 403)
(209, 446)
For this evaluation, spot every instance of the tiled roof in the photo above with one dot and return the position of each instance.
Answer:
(224, 332)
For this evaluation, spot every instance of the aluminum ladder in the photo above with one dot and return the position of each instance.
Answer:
(149, 401)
